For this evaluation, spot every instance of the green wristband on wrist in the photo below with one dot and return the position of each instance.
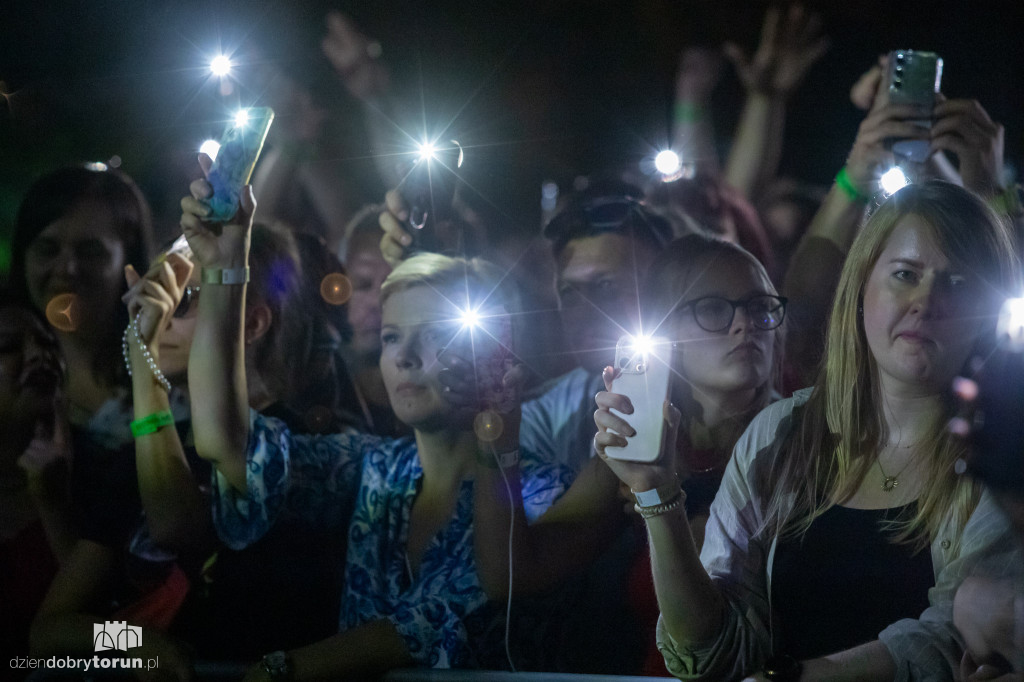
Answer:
(151, 423)
(844, 183)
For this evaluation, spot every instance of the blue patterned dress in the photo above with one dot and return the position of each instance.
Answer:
(442, 612)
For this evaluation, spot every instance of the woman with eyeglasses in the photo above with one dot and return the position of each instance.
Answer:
(714, 300)
(842, 527)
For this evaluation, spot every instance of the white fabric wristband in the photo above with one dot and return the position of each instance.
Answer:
(652, 498)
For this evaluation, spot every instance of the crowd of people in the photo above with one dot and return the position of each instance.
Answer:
(297, 442)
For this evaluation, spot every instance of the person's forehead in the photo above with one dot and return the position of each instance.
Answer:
(729, 277)
(85, 218)
(419, 305)
(603, 254)
(913, 239)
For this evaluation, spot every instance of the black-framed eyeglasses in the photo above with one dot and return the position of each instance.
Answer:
(612, 213)
(715, 314)
(190, 296)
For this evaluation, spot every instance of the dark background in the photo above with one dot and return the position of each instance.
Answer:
(545, 89)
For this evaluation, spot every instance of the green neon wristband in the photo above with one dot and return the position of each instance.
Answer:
(849, 189)
(152, 423)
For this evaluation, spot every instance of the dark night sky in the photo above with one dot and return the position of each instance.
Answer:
(570, 86)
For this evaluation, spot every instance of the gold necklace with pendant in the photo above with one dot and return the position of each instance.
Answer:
(889, 483)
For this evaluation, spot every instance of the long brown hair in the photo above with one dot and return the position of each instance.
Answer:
(842, 425)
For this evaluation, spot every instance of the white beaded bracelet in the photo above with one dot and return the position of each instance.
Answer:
(133, 327)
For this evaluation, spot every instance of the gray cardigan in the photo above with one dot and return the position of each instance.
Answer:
(740, 565)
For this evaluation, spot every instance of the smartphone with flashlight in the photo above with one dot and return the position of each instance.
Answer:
(240, 147)
(997, 429)
(643, 365)
(429, 183)
(914, 77)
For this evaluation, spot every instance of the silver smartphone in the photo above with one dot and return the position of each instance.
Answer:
(914, 77)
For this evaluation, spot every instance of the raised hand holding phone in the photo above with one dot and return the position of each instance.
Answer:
(239, 149)
(614, 430)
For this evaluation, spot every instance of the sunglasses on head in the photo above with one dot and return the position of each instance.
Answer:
(607, 214)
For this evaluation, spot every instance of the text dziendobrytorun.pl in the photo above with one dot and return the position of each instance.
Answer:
(84, 664)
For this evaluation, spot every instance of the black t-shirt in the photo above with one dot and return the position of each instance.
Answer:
(845, 581)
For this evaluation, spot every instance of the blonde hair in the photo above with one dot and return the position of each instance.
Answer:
(468, 283)
(826, 457)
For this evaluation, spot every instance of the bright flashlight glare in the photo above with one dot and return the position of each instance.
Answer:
(427, 151)
(1010, 326)
(470, 318)
(210, 148)
(667, 162)
(241, 118)
(220, 65)
(642, 344)
(893, 180)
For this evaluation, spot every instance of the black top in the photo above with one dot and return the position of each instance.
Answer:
(845, 581)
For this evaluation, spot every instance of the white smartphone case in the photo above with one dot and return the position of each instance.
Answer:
(644, 379)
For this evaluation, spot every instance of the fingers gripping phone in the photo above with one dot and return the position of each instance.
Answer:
(914, 77)
(644, 367)
(240, 147)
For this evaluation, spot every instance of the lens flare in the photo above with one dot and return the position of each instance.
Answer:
(210, 148)
(1010, 326)
(667, 162)
(62, 312)
(642, 344)
(220, 65)
(488, 426)
(427, 151)
(470, 318)
(893, 180)
(336, 288)
(241, 118)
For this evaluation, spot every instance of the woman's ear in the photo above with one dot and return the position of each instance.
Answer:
(258, 318)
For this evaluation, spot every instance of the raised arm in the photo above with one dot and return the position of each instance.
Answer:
(177, 512)
(691, 606)
(216, 368)
(814, 268)
(791, 43)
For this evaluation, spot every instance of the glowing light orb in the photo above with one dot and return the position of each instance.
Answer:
(470, 318)
(210, 148)
(336, 288)
(488, 426)
(667, 162)
(62, 312)
(241, 118)
(427, 151)
(220, 65)
(1010, 325)
(893, 180)
(642, 344)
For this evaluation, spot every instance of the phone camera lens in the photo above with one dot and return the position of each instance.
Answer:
(899, 56)
(897, 84)
(640, 367)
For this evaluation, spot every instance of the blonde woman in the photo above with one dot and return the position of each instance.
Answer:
(842, 528)
(430, 512)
